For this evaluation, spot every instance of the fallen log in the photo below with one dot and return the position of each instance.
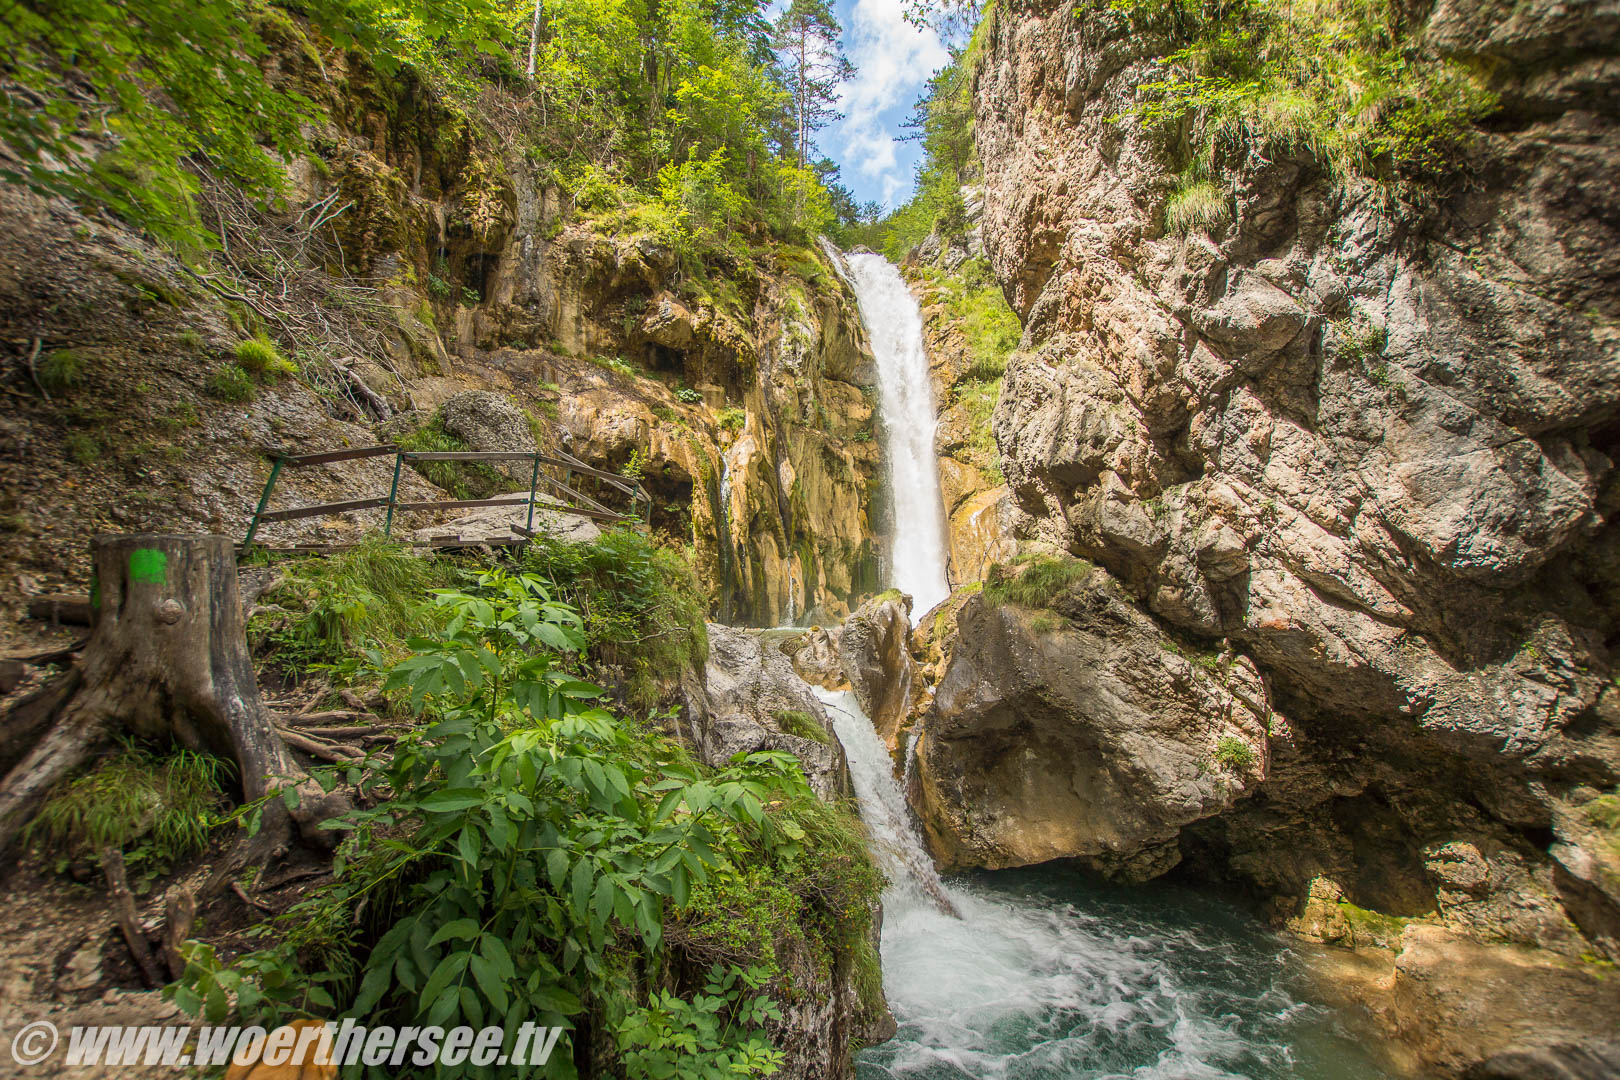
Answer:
(64, 609)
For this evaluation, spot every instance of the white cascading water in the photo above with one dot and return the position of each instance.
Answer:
(1009, 977)
(894, 326)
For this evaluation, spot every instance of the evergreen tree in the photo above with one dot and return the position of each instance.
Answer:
(814, 65)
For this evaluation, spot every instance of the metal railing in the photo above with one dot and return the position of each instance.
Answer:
(569, 500)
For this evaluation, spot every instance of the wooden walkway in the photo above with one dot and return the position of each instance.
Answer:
(563, 497)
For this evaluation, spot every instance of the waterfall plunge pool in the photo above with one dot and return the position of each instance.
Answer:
(1049, 974)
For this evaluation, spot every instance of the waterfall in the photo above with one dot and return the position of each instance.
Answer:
(1033, 974)
(894, 326)
(896, 846)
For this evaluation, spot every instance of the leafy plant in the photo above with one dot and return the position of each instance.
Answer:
(1233, 753)
(529, 847)
(644, 608)
(689, 395)
(370, 596)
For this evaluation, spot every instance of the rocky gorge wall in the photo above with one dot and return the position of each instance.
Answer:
(453, 263)
(1358, 447)
(1406, 530)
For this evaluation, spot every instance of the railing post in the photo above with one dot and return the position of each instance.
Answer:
(264, 500)
(393, 496)
(534, 482)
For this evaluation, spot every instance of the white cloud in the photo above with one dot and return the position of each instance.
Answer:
(893, 61)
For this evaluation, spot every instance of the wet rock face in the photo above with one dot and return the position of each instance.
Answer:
(874, 655)
(1081, 732)
(1371, 447)
(736, 709)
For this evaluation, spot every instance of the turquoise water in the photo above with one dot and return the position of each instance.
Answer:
(1050, 975)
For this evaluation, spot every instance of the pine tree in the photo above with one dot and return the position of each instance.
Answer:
(814, 64)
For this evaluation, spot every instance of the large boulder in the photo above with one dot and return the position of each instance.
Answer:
(1457, 1001)
(1081, 732)
(490, 423)
(874, 652)
(751, 699)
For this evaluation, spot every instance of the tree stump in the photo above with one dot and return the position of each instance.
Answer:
(167, 658)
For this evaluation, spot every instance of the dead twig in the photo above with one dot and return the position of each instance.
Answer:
(251, 901)
(338, 755)
(33, 372)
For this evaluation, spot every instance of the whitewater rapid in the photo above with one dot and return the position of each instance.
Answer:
(905, 397)
(1036, 977)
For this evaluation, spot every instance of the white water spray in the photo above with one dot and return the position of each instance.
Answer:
(1018, 981)
(894, 325)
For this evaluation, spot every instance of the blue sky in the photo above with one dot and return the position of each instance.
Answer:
(893, 60)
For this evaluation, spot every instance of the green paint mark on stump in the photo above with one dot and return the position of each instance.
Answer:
(148, 565)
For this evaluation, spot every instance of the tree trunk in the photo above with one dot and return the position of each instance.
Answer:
(167, 658)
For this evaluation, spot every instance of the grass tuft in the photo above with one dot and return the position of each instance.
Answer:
(259, 357)
(1040, 580)
(166, 802)
(231, 383)
(802, 724)
(1198, 205)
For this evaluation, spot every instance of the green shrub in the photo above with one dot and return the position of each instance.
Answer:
(1197, 205)
(645, 608)
(1233, 753)
(259, 357)
(689, 395)
(230, 383)
(1035, 581)
(731, 418)
(375, 596)
(800, 723)
(535, 859)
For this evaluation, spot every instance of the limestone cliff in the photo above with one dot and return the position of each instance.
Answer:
(442, 263)
(1368, 445)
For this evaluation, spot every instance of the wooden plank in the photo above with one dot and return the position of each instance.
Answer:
(464, 455)
(476, 541)
(585, 499)
(456, 504)
(328, 456)
(615, 479)
(580, 511)
(322, 508)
